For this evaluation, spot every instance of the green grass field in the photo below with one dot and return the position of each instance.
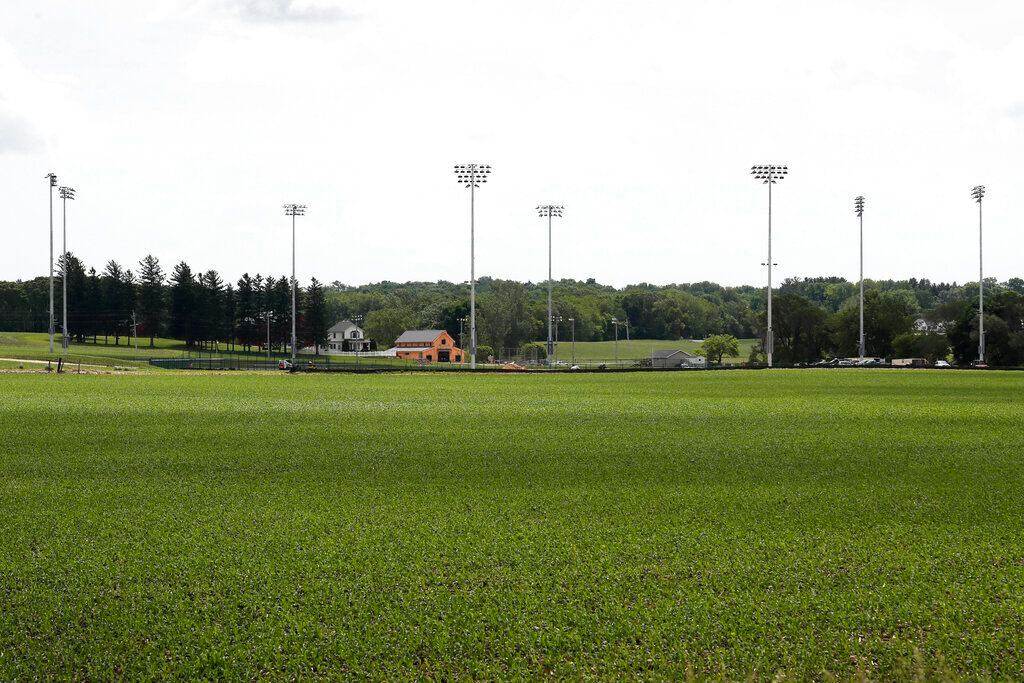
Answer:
(35, 346)
(582, 526)
(638, 348)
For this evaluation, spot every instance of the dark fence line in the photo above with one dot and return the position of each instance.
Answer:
(378, 364)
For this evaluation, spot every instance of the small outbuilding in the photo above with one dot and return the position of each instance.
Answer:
(676, 358)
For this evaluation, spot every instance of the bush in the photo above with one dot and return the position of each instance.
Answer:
(483, 352)
(531, 350)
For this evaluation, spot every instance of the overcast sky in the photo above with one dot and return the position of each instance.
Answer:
(184, 125)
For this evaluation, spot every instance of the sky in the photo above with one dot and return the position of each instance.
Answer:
(185, 125)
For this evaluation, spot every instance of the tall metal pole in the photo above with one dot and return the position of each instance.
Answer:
(294, 210)
(978, 193)
(64, 275)
(550, 211)
(470, 175)
(769, 174)
(293, 287)
(858, 205)
(65, 193)
(472, 276)
(53, 183)
(770, 339)
(981, 292)
(572, 321)
(615, 322)
(551, 345)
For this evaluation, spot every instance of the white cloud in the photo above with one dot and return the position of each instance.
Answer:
(16, 133)
(287, 10)
(186, 124)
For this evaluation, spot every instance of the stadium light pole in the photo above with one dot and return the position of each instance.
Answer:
(615, 322)
(978, 192)
(858, 208)
(550, 211)
(462, 338)
(53, 183)
(472, 176)
(572, 323)
(769, 174)
(294, 210)
(66, 193)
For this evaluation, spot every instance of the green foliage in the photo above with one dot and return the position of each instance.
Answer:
(719, 345)
(794, 525)
(887, 315)
(534, 350)
(929, 345)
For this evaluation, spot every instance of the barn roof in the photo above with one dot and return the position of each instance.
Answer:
(419, 336)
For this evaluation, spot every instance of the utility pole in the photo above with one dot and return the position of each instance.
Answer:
(858, 207)
(769, 174)
(472, 176)
(135, 333)
(978, 193)
(66, 193)
(53, 183)
(294, 210)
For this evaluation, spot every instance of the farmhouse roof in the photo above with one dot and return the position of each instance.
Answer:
(669, 353)
(342, 326)
(419, 336)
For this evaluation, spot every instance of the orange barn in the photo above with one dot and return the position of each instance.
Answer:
(433, 346)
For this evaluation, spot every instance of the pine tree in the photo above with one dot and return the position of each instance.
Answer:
(151, 297)
(93, 305)
(183, 295)
(315, 317)
(114, 299)
(244, 307)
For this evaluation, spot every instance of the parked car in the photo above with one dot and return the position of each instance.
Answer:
(846, 362)
(942, 364)
(284, 364)
(871, 363)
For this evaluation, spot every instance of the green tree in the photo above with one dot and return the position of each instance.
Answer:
(719, 345)
(930, 345)
(315, 315)
(183, 301)
(151, 297)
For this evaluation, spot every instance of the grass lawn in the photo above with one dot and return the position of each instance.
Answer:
(35, 345)
(440, 526)
(639, 348)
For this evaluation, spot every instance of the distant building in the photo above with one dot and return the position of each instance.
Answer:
(346, 336)
(925, 325)
(432, 346)
(668, 358)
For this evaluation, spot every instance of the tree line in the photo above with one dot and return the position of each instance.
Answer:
(199, 308)
(813, 318)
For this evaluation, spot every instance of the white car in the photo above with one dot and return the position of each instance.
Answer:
(942, 364)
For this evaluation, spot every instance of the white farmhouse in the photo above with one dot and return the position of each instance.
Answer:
(346, 336)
